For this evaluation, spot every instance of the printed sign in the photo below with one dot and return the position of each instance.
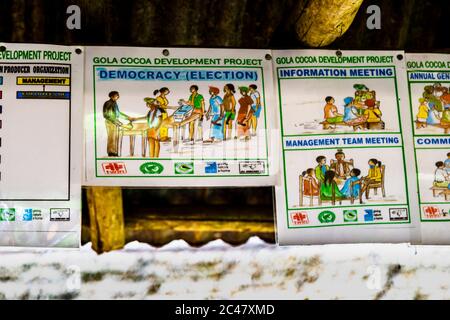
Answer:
(429, 86)
(345, 148)
(191, 117)
(40, 145)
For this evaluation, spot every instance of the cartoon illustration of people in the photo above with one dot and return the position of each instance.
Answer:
(112, 116)
(229, 105)
(352, 115)
(164, 105)
(437, 97)
(198, 103)
(340, 165)
(433, 114)
(441, 177)
(244, 114)
(310, 185)
(447, 163)
(321, 168)
(330, 112)
(362, 94)
(422, 115)
(347, 190)
(334, 185)
(329, 188)
(217, 115)
(445, 98)
(154, 121)
(256, 107)
(373, 115)
(445, 119)
(374, 175)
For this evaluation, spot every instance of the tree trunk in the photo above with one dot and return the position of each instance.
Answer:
(323, 21)
(106, 218)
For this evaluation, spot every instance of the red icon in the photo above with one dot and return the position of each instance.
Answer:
(431, 212)
(114, 168)
(299, 218)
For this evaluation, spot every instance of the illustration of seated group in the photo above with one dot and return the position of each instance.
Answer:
(340, 180)
(441, 183)
(434, 108)
(360, 112)
(221, 112)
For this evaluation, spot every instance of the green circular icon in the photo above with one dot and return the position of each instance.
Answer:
(151, 168)
(327, 217)
(350, 215)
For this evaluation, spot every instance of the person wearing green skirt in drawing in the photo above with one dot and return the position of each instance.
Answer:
(330, 112)
(329, 187)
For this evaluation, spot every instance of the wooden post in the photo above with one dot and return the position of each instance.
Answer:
(323, 21)
(106, 218)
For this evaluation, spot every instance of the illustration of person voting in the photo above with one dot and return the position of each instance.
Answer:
(112, 115)
(244, 114)
(229, 106)
(256, 107)
(197, 101)
(216, 114)
(154, 120)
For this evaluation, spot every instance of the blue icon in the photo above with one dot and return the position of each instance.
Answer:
(368, 216)
(1, 80)
(28, 215)
(211, 167)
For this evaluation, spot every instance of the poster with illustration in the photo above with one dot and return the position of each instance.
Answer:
(178, 117)
(41, 89)
(429, 94)
(345, 148)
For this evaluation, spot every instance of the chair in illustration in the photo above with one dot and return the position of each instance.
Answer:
(353, 185)
(331, 199)
(305, 188)
(376, 185)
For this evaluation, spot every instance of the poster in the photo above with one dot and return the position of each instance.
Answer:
(346, 148)
(40, 145)
(178, 117)
(429, 84)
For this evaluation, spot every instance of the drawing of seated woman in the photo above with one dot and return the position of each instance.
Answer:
(433, 114)
(329, 187)
(374, 175)
(310, 185)
(441, 177)
(347, 190)
(351, 114)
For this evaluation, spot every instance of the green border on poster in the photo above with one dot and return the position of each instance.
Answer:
(423, 135)
(96, 158)
(394, 77)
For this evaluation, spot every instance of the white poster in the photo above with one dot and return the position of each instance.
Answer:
(346, 148)
(40, 145)
(429, 84)
(183, 117)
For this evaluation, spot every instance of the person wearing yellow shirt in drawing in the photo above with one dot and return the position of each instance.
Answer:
(374, 175)
(422, 115)
(373, 115)
(164, 105)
